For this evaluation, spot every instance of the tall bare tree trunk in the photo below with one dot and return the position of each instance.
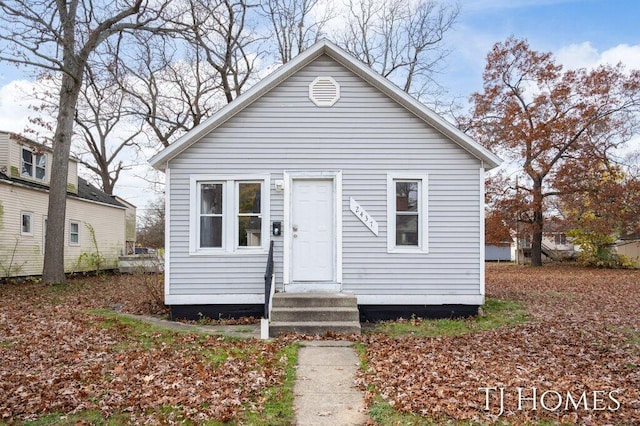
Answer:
(538, 222)
(53, 272)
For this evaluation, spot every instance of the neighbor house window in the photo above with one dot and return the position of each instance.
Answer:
(26, 223)
(228, 214)
(407, 213)
(74, 233)
(33, 165)
(560, 239)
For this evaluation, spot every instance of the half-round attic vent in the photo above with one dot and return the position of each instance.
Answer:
(324, 91)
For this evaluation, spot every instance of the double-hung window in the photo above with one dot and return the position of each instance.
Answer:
(228, 214)
(74, 233)
(33, 165)
(249, 214)
(26, 223)
(407, 213)
(211, 196)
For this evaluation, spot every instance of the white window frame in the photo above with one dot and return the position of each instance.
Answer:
(71, 223)
(423, 208)
(28, 233)
(237, 213)
(34, 164)
(230, 203)
(197, 213)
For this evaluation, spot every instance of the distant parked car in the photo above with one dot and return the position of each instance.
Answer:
(145, 250)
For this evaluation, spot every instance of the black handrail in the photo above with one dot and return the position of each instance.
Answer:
(268, 277)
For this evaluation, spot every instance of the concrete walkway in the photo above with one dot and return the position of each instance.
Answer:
(324, 392)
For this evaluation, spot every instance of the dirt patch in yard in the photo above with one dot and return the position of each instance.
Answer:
(577, 359)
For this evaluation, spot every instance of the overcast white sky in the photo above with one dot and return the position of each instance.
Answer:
(581, 33)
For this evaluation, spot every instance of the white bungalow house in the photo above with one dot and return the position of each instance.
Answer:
(362, 189)
(25, 168)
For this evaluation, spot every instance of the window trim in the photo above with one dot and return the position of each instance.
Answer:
(31, 223)
(34, 164)
(236, 211)
(423, 209)
(229, 214)
(198, 214)
(74, 222)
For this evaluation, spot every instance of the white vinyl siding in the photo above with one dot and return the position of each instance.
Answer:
(366, 136)
(27, 250)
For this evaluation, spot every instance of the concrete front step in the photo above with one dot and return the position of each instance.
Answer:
(310, 300)
(314, 313)
(306, 314)
(317, 328)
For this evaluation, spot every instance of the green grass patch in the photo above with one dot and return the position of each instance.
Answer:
(496, 313)
(149, 336)
(141, 334)
(383, 413)
(633, 336)
(278, 406)
(93, 417)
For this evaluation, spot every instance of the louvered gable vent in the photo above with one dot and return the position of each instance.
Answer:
(324, 91)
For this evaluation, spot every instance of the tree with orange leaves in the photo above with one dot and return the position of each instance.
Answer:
(558, 127)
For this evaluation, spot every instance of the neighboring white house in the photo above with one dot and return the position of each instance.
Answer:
(373, 192)
(555, 246)
(25, 168)
(629, 246)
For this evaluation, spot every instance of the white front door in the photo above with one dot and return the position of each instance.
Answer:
(312, 230)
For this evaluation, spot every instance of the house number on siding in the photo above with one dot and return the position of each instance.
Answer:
(363, 216)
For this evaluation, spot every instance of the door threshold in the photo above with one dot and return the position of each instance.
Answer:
(313, 287)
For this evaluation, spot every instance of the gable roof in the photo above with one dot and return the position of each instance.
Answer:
(86, 191)
(325, 47)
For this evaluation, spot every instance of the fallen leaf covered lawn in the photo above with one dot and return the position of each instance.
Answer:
(61, 352)
(583, 337)
(58, 356)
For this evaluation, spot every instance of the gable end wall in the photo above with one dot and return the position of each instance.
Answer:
(365, 135)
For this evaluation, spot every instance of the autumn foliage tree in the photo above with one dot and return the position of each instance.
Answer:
(609, 209)
(558, 127)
